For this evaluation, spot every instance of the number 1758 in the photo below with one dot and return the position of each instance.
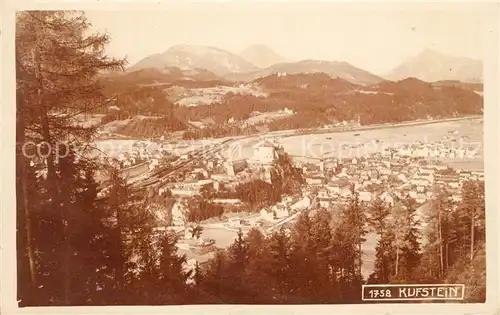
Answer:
(379, 293)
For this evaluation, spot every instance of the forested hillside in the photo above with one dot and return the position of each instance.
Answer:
(317, 99)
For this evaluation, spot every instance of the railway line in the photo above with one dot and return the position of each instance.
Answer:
(162, 173)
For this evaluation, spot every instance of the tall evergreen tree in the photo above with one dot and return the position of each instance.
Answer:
(215, 277)
(353, 225)
(257, 267)
(322, 237)
(303, 257)
(384, 257)
(171, 276)
(277, 268)
(405, 229)
(79, 241)
(469, 221)
(57, 63)
(237, 263)
(346, 259)
(436, 235)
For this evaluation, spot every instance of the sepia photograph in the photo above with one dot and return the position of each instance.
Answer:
(256, 154)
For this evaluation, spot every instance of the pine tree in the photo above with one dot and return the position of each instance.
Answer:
(345, 250)
(79, 241)
(117, 205)
(277, 267)
(58, 64)
(355, 224)
(25, 177)
(435, 252)
(384, 259)
(171, 277)
(322, 236)
(198, 278)
(238, 254)
(456, 237)
(405, 229)
(468, 218)
(472, 203)
(303, 257)
(257, 265)
(216, 280)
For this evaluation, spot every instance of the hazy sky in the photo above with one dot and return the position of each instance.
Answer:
(375, 38)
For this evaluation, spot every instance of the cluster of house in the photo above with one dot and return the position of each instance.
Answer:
(142, 152)
(141, 159)
(444, 149)
(215, 173)
(329, 183)
(383, 175)
(285, 208)
(424, 181)
(274, 215)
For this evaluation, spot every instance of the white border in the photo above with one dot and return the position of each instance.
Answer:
(7, 175)
(410, 285)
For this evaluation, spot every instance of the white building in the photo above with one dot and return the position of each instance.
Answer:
(365, 195)
(336, 187)
(265, 153)
(387, 198)
(422, 152)
(413, 194)
(280, 212)
(325, 202)
(265, 215)
(302, 204)
(421, 198)
(184, 192)
(429, 176)
(323, 193)
(315, 179)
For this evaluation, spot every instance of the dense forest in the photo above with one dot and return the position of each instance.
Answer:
(75, 249)
(317, 99)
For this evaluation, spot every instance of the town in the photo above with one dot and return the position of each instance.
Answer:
(402, 170)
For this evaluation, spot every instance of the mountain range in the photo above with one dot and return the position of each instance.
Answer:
(186, 57)
(259, 61)
(432, 66)
(156, 101)
(338, 69)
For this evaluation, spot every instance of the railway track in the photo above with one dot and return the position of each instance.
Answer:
(158, 176)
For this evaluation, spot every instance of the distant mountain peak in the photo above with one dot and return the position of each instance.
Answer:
(430, 65)
(259, 46)
(190, 56)
(262, 56)
(341, 70)
(192, 48)
(426, 49)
